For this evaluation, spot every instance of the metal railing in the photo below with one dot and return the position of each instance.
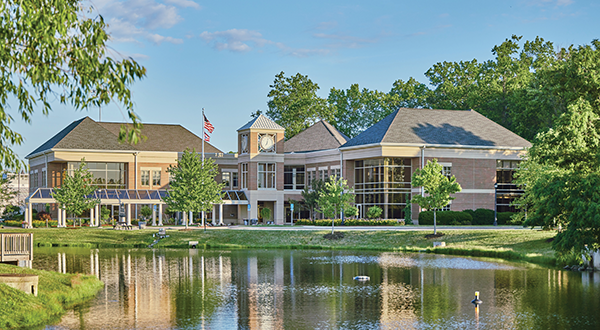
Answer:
(16, 246)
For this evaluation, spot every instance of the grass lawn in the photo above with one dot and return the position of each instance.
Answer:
(529, 245)
(56, 293)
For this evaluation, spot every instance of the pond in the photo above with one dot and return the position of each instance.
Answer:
(291, 289)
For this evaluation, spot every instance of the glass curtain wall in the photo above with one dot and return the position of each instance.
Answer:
(507, 191)
(384, 182)
(105, 175)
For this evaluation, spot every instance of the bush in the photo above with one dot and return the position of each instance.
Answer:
(43, 215)
(42, 223)
(374, 212)
(13, 223)
(445, 218)
(504, 218)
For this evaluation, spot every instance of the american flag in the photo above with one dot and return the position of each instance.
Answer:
(208, 126)
(206, 137)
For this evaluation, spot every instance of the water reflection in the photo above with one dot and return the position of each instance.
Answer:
(194, 289)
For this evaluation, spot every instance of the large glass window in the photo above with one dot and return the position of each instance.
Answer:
(225, 179)
(506, 190)
(293, 177)
(156, 178)
(234, 180)
(145, 177)
(310, 177)
(104, 175)
(266, 175)
(384, 182)
(244, 175)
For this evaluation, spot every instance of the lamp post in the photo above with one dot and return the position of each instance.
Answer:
(495, 204)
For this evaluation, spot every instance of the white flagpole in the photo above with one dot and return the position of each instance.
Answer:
(202, 216)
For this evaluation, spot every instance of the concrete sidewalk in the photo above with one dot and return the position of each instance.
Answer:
(355, 228)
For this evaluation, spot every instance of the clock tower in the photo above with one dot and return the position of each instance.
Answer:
(260, 163)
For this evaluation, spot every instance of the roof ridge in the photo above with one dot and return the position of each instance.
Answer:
(397, 111)
(328, 126)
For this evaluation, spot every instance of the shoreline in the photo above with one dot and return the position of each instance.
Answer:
(508, 243)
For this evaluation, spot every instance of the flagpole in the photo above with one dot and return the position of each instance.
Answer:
(202, 214)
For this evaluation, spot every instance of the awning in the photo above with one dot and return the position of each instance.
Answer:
(131, 196)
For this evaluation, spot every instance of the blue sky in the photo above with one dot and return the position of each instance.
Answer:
(223, 55)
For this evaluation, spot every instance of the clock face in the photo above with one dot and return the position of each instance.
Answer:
(266, 142)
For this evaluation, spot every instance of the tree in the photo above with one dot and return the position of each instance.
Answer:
(561, 180)
(374, 212)
(52, 51)
(335, 197)
(294, 103)
(73, 194)
(7, 193)
(437, 188)
(193, 187)
(311, 196)
(146, 211)
(265, 213)
(357, 110)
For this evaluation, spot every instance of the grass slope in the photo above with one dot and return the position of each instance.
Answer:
(56, 293)
(529, 245)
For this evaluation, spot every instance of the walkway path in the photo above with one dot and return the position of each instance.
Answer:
(347, 228)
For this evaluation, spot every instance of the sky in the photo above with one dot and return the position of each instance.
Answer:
(223, 55)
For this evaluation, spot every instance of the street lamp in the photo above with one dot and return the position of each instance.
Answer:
(495, 204)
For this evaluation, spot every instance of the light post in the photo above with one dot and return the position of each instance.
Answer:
(495, 204)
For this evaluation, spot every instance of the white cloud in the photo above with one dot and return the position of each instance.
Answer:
(136, 20)
(184, 3)
(235, 40)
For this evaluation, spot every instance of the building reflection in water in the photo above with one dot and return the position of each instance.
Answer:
(184, 289)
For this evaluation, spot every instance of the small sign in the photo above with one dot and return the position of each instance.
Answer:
(292, 207)
(248, 207)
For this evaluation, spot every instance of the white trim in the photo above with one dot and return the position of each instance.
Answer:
(476, 191)
(420, 145)
(323, 168)
(311, 169)
(445, 164)
(335, 167)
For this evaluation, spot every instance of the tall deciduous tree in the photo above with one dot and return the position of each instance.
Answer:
(437, 188)
(311, 196)
(73, 195)
(7, 193)
(294, 103)
(335, 197)
(561, 179)
(193, 186)
(50, 50)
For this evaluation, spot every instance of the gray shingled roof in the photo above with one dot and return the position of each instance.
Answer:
(86, 134)
(320, 136)
(164, 137)
(261, 122)
(438, 127)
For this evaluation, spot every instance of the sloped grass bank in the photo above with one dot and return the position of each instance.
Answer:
(527, 245)
(57, 293)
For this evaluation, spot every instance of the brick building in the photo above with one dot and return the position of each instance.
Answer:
(268, 171)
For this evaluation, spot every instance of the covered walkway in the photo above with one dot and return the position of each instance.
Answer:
(125, 198)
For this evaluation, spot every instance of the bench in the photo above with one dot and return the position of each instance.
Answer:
(122, 225)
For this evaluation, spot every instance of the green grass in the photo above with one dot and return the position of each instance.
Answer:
(56, 293)
(528, 245)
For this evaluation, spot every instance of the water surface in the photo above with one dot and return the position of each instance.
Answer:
(287, 289)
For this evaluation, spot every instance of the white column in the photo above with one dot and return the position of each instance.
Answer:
(129, 214)
(92, 221)
(220, 214)
(29, 216)
(160, 215)
(214, 215)
(153, 215)
(64, 211)
(98, 215)
(59, 223)
(191, 216)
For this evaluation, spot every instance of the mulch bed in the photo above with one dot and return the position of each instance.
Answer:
(334, 236)
(549, 240)
(430, 236)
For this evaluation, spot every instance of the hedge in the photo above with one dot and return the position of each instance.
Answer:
(350, 222)
(445, 218)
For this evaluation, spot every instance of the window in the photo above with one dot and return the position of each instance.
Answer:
(43, 178)
(156, 178)
(266, 176)
(145, 177)
(244, 175)
(323, 174)
(311, 175)
(447, 171)
(336, 172)
(384, 182)
(35, 179)
(293, 177)
(104, 175)
(225, 179)
(234, 180)
(506, 190)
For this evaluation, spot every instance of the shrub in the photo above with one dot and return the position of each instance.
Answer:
(42, 223)
(483, 217)
(374, 212)
(445, 218)
(13, 223)
(146, 211)
(43, 215)
(504, 218)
